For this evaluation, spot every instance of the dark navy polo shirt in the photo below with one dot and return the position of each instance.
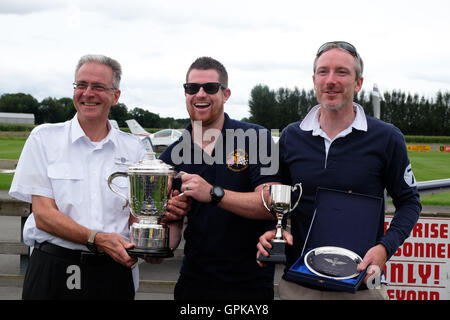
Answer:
(220, 246)
(365, 162)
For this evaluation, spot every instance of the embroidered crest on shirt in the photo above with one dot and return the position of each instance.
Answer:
(237, 160)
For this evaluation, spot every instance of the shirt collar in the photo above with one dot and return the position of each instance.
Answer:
(76, 130)
(78, 133)
(226, 123)
(311, 121)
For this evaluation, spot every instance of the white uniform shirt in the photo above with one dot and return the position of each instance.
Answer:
(60, 162)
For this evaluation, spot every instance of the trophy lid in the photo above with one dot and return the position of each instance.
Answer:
(151, 166)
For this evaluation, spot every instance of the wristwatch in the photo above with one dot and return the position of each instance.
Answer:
(91, 242)
(217, 194)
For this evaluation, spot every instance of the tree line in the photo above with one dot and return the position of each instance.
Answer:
(52, 110)
(411, 113)
(273, 109)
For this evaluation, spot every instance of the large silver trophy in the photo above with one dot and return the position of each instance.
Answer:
(150, 185)
(280, 205)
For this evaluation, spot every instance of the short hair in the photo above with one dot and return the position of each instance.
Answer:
(107, 61)
(206, 63)
(359, 65)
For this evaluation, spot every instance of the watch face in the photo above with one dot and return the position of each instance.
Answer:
(218, 191)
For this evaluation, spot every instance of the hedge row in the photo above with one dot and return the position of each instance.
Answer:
(428, 139)
(409, 139)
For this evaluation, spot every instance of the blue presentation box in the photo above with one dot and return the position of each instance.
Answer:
(341, 219)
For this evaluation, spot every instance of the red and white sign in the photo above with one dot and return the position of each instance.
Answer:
(420, 269)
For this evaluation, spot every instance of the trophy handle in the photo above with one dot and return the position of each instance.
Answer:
(262, 196)
(299, 185)
(178, 176)
(110, 179)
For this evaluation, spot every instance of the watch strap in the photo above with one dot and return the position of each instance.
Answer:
(215, 199)
(92, 236)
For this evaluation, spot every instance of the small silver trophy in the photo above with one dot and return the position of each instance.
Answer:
(280, 204)
(150, 184)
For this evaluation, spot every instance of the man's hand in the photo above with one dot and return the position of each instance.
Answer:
(115, 246)
(264, 242)
(196, 187)
(177, 206)
(374, 260)
(153, 260)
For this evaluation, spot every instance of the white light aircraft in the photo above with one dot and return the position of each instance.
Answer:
(136, 128)
(145, 137)
(114, 124)
(160, 139)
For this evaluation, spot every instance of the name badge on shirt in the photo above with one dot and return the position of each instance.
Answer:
(123, 161)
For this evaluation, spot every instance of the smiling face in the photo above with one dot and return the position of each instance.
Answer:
(201, 106)
(335, 80)
(91, 104)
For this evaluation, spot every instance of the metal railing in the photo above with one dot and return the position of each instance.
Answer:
(15, 208)
(433, 184)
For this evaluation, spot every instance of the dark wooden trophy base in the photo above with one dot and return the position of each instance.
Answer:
(276, 254)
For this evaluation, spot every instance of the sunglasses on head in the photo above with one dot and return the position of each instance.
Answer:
(209, 87)
(337, 44)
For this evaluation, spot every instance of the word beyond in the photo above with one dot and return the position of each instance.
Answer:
(233, 309)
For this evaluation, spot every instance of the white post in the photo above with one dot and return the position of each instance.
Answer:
(376, 98)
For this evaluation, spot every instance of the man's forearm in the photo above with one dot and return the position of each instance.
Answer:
(49, 219)
(247, 204)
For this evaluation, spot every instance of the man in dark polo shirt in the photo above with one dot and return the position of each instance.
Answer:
(221, 160)
(337, 146)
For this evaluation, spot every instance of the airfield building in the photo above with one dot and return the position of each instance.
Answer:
(16, 118)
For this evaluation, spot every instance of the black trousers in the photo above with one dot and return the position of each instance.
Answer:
(59, 273)
(189, 289)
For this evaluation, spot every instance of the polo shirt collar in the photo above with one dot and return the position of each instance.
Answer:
(311, 121)
(226, 123)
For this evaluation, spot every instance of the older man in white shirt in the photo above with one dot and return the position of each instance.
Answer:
(78, 227)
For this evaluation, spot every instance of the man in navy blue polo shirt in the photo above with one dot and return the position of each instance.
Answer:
(224, 168)
(337, 146)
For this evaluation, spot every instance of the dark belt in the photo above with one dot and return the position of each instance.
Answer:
(79, 256)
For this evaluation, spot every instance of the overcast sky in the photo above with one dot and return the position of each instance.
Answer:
(404, 44)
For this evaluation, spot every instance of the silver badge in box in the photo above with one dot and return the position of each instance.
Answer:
(333, 262)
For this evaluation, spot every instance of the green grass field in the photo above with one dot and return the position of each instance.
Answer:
(11, 148)
(5, 181)
(431, 165)
(426, 166)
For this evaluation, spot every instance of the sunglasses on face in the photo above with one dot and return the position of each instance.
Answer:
(209, 87)
(337, 44)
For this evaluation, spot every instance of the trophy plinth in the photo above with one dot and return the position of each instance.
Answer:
(276, 253)
(150, 182)
(280, 199)
(151, 240)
